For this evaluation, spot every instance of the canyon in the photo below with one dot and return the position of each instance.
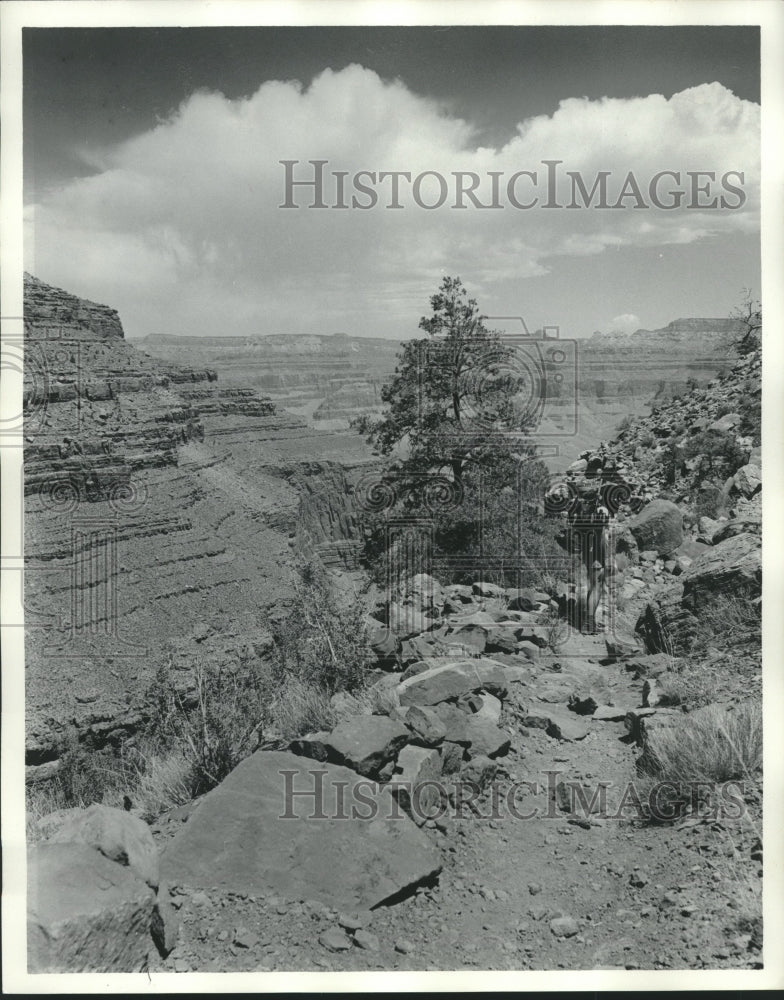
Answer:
(166, 505)
(169, 513)
(330, 379)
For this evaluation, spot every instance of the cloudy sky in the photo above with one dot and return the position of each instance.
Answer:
(153, 179)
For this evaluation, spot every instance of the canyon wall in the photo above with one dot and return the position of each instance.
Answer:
(164, 512)
(327, 380)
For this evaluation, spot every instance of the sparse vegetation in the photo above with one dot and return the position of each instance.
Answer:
(725, 621)
(711, 745)
(192, 739)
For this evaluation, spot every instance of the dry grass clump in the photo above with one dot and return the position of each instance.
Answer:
(712, 744)
(725, 621)
(299, 709)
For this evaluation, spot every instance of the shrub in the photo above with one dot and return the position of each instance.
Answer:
(720, 455)
(709, 502)
(558, 631)
(323, 640)
(193, 738)
(647, 439)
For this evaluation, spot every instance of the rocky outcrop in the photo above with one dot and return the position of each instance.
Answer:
(732, 567)
(52, 313)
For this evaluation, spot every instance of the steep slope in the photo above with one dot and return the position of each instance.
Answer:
(162, 510)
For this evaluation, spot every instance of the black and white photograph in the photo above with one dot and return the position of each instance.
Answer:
(382, 446)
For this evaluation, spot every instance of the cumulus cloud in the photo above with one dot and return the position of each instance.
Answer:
(625, 323)
(181, 228)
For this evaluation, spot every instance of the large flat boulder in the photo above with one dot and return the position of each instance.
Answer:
(85, 913)
(659, 526)
(240, 838)
(452, 678)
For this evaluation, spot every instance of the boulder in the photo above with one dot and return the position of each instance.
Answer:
(117, 834)
(561, 724)
(366, 743)
(490, 708)
(460, 592)
(420, 666)
(659, 526)
(405, 621)
(381, 640)
(424, 592)
(726, 423)
(281, 825)
(708, 526)
(425, 725)
(416, 766)
(609, 713)
(418, 647)
(474, 618)
(747, 522)
(479, 734)
(312, 745)
(530, 650)
(451, 679)
(502, 638)
(734, 566)
(472, 638)
(85, 913)
(483, 589)
(453, 756)
(748, 480)
(539, 635)
(525, 599)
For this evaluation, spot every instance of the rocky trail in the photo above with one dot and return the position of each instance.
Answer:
(562, 890)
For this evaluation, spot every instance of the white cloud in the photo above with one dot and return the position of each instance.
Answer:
(625, 323)
(180, 227)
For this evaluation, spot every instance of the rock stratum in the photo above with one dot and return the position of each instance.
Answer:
(328, 379)
(163, 511)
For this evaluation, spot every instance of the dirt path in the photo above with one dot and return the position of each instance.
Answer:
(635, 896)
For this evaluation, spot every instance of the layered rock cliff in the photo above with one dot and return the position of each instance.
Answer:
(163, 513)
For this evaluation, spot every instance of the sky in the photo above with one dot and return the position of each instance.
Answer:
(153, 179)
